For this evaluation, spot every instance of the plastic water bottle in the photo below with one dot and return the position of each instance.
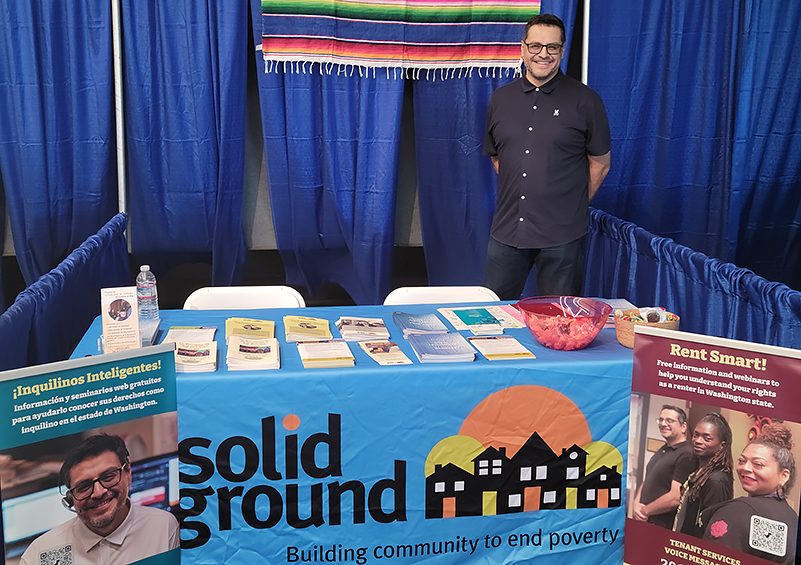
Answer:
(147, 296)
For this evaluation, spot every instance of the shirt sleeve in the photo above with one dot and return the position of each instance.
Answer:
(488, 146)
(685, 464)
(599, 139)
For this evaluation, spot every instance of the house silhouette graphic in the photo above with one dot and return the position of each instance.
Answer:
(535, 478)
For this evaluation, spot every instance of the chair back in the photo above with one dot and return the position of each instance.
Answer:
(440, 295)
(244, 297)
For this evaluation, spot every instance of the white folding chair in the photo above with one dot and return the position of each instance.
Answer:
(244, 297)
(440, 294)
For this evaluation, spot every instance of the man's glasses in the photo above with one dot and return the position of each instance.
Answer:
(551, 48)
(668, 421)
(107, 479)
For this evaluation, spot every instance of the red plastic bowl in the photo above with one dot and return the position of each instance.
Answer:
(564, 322)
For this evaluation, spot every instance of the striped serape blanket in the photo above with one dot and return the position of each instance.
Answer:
(407, 34)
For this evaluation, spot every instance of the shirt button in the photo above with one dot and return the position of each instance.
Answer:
(525, 174)
(530, 128)
(534, 107)
(537, 89)
(522, 197)
(527, 151)
(520, 219)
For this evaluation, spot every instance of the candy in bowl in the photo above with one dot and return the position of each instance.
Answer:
(564, 322)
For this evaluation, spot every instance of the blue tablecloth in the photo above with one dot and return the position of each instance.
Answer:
(482, 462)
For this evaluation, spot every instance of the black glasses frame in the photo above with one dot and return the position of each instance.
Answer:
(105, 482)
(550, 48)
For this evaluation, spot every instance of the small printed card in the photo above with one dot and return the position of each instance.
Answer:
(118, 308)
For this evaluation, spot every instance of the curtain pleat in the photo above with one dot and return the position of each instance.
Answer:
(185, 73)
(57, 144)
(332, 145)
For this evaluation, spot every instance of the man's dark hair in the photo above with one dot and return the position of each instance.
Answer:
(677, 410)
(92, 446)
(545, 20)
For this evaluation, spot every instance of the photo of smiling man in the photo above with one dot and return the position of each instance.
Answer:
(94, 480)
(658, 497)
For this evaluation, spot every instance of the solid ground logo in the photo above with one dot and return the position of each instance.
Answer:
(522, 449)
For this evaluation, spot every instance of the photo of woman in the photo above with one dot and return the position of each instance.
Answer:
(712, 482)
(762, 523)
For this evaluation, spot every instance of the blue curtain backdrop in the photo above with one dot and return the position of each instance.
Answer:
(765, 219)
(457, 185)
(57, 145)
(185, 72)
(331, 138)
(703, 100)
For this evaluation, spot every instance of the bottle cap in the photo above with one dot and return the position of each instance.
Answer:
(144, 268)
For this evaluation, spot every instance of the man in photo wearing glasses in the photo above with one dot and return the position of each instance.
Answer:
(548, 137)
(108, 529)
(659, 495)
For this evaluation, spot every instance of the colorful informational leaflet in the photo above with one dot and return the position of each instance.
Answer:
(719, 418)
(118, 307)
(50, 410)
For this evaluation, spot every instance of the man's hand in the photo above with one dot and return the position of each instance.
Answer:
(640, 512)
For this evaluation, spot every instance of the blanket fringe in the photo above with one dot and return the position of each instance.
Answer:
(392, 72)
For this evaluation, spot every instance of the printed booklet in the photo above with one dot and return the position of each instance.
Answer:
(714, 424)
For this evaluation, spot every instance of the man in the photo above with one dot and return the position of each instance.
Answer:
(108, 529)
(548, 137)
(659, 495)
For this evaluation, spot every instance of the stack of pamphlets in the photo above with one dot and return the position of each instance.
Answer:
(499, 347)
(418, 324)
(385, 352)
(442, 348)
(359, 329)
(300, 328)
(248, 327)
(195, 348)
(325, 353)
(246, 353)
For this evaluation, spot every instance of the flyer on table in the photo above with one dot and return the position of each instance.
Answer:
(68, 414)
(714, 440)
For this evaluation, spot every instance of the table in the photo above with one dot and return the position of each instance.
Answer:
(482, 462)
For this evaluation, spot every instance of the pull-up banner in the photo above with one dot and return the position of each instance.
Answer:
(713, 451)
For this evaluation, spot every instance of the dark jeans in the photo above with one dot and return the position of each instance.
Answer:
(560, 270)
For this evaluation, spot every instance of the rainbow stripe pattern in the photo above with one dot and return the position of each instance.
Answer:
(409, 34)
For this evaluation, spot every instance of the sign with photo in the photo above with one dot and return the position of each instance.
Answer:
(88, 460)
(712, 451)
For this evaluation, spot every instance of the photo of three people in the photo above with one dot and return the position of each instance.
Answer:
(715, 474)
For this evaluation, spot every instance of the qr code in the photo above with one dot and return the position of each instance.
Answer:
(58, 556)
(768, 535)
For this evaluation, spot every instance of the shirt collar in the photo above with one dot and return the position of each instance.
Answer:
(547, 88)
(89, 539)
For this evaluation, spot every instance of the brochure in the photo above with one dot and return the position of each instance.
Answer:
(418, 324)
(195, 334)
(720, 417)
(359, 329)
(325, 353)
(385, 352)
(249, 327)
(246, 353)
(298, 328)
(507, 316)
(442, 348)
(500, 347)
(195, 357)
